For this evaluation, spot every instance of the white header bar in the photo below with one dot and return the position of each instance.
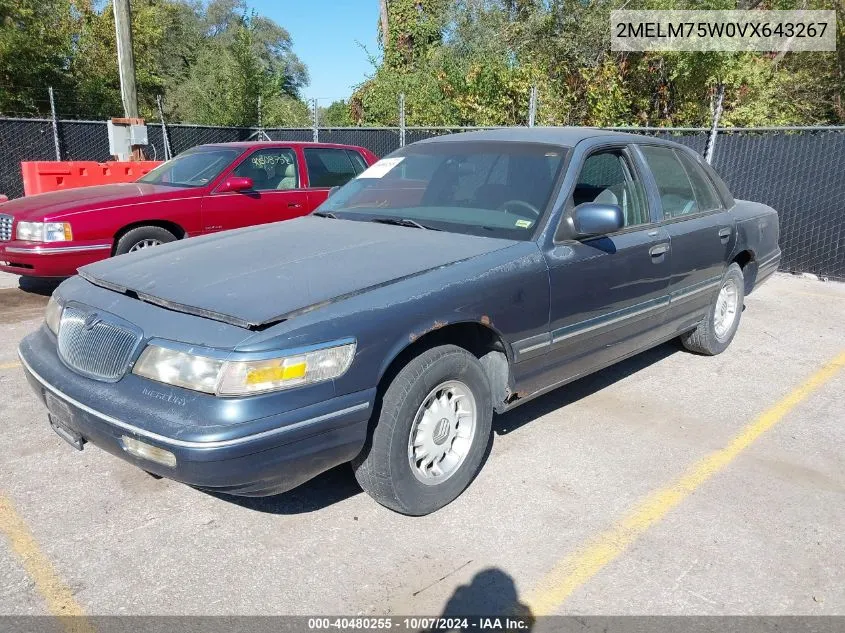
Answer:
(804, 30)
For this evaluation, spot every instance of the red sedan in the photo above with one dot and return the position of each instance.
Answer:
(206, 189)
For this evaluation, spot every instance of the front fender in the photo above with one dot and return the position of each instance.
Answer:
(107, 222)
(506, 291)
(422, 330)
(509, 299)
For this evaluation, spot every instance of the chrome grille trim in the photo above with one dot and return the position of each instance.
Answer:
(6, 222)
(96, 344)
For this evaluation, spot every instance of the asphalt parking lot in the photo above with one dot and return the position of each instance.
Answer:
(669, 484)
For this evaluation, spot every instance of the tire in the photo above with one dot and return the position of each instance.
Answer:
(713, 335)
(448, 378)
(135, 238)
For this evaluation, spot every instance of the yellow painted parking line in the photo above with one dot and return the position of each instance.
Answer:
(53, 590)
(575, 570)
(9, 365)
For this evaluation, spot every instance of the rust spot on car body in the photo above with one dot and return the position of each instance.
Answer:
(413, 336)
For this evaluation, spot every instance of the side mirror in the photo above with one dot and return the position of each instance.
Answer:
(236, 183)
(597, 218)
(333, 191)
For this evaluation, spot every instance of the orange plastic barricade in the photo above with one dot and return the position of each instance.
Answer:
(43, 175)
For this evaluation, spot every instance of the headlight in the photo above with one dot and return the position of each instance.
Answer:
(181, 369)
(53, 314)
(237, 378)
(44, 231)
(245, 377)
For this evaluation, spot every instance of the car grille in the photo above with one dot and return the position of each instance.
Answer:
(96, 344)
(5, 227)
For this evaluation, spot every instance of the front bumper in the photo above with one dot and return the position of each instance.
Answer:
(55, 259)
(290, 448)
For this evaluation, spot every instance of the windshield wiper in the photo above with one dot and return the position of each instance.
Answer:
(404, 222)
(325, 214)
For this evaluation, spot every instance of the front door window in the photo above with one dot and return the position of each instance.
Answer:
(270, 169)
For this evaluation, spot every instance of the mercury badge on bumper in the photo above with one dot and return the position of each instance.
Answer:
(459, 277)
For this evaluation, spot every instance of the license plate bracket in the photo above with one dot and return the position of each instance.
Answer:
(58, 413)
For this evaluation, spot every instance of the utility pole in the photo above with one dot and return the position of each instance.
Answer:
(384, 24)
(125, 58)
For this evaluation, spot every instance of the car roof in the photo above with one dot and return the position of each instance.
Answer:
(563, 136)
(282, 143)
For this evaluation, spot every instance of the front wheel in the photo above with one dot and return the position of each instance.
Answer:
(432, 433)
(717, 330)
(142, 237)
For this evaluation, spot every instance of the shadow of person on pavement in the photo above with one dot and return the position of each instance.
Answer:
(490, 593)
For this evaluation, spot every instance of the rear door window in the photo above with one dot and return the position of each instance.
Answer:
(676, 194)
(358, 161)
(701, 186)
(329, 167)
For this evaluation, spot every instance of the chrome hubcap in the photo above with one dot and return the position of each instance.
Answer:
(442, 432)
(726, 308)
(144, 244)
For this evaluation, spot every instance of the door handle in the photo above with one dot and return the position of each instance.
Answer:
(724, 234)
(657, 251)
(294, 205)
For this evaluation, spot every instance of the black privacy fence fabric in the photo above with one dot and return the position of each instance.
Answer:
(799, 173)
(802, 175)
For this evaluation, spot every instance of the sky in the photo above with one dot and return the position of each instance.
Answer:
(324, 34)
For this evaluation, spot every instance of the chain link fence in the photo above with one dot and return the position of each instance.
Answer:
(799, 172)
(802, 175)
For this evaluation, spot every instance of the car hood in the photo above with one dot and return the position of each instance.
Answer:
(54, 203)
(261, 275)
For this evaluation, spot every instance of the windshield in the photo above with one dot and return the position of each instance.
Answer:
(193, 168)
(496, 189)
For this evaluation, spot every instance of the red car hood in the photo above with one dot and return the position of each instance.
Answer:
(62, 203)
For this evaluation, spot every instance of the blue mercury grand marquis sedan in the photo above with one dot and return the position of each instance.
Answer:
(458, 277)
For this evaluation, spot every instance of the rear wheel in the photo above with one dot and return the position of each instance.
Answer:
(432, 434)
(142, 237)
(717, 330)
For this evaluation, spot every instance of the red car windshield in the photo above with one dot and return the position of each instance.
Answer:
(193, 168)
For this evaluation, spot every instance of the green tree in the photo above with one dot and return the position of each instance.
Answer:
(165, 39)
(36, 45)
(210, 62)
(474, 61)
(336, 115)
(249, 57)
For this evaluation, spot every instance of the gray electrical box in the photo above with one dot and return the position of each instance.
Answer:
(123, 137)
(138, 135)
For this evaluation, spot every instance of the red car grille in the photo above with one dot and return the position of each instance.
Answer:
(6, 227)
